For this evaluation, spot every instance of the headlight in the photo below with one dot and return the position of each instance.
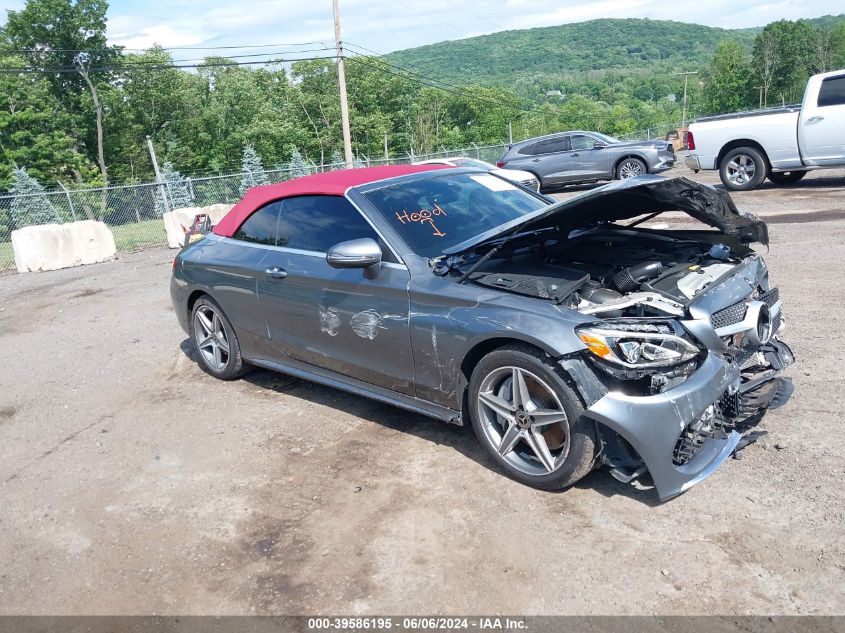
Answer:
(639, 348)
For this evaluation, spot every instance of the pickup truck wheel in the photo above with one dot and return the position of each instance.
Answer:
(743, 169)
(786, 177)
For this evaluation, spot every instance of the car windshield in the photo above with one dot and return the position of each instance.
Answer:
(435, 213)
(472, 162)
(607, 139)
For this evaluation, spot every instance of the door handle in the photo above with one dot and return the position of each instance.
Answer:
(814, 119)
(276, 273)
(536, 160)
(575, 154)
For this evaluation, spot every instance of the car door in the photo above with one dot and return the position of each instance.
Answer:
(585, 161)
(549, 161)
(821, 126)
(335, 319)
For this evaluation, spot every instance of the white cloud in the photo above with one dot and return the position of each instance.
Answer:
(386, 25)
(161, 34)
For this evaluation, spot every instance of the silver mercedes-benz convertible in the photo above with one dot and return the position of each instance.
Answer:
(568, 334)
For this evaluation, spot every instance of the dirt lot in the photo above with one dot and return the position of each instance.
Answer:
(133, 483)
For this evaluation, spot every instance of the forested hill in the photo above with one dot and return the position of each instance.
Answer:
(560, 53)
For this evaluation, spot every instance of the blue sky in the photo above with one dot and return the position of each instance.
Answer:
(386, 25)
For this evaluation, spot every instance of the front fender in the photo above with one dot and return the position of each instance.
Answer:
(444, 336)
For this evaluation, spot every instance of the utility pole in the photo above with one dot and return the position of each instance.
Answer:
(341, 80)
(510, 133)
(160, 182)
(686, 81)
(386, 153)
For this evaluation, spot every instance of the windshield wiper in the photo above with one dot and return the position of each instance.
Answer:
(486, 257)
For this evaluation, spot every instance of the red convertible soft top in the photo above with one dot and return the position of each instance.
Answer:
(329, 183)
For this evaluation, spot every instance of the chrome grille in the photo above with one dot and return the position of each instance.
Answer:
(735, 313)
(729, 316)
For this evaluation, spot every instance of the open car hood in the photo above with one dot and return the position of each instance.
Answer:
(625, 199)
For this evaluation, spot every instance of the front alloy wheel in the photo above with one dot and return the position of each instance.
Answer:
(523, 419)
(528, 418)
(630, 168)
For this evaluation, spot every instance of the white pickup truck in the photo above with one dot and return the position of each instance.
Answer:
(782, 144)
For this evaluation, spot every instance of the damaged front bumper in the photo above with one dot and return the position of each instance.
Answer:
(682, 435)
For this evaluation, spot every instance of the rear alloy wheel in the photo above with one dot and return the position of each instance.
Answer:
(529, 420)
(219, 352)
(743, 169)
(786, 177)
(630, 168)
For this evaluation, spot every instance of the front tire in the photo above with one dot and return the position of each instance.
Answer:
(743, 169)
(630, 168)
(533, 431)
(786, 177)
(217, 345)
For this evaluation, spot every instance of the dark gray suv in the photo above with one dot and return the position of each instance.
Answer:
(568, 158)
(568, 338)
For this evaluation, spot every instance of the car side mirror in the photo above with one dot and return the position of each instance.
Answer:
(599, 146)
(362, 253)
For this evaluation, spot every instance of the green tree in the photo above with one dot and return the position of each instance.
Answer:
(175, 187)
(726, 79)
(297, 167)
(785, 54)
(30, 206)
(33, 130)
(70, 34)
(252, 169)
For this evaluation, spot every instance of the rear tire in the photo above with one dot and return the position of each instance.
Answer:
(743, 169)
(216, 342)
(786, 177)
(536, 434)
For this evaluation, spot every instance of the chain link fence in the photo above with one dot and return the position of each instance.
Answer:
(134, 212)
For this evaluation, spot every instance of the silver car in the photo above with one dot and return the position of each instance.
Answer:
(568, 158)
(568, 338)
(524, 178)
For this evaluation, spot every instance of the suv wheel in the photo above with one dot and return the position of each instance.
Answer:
(743, 169)
(529, 420)
(630, 168)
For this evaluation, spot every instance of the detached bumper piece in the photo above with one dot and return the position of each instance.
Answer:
(684, 434)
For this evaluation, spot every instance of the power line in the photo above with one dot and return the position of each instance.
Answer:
(430, 81)
(478, 15)
(117, 47)
(118, 68)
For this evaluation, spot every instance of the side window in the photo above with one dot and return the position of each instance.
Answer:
(581, 141)
(546, 147)
(832, 92)
(553, 145)
(316, 223)
(260, 227)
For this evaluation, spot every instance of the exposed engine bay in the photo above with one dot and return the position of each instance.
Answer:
(613, 271)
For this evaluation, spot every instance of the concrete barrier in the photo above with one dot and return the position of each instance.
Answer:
(55, 246)
(178, 221)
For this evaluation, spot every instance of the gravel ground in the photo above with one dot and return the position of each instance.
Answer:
(133, 483)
